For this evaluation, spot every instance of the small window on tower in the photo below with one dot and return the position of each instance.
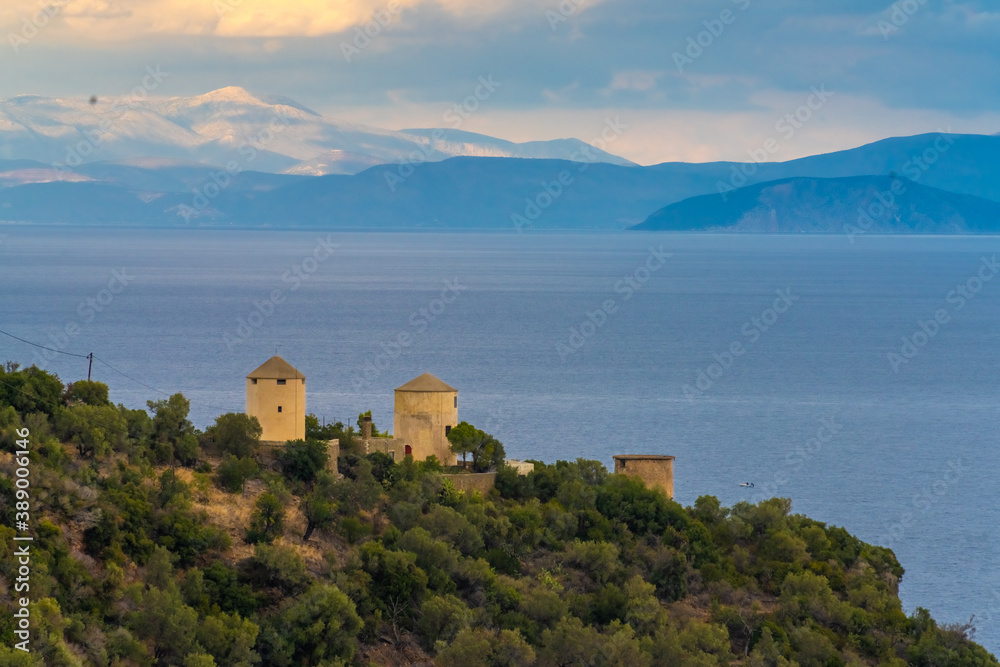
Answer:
(447, 430)
(281, 381)
(279, 408)
(456, 401)
(253, 380)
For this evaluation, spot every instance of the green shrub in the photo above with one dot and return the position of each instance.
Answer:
(280, 566)
(267, 523)
(232, 473)
(302, 460)
(352, 529)
(235, 433)
(320, 625)
(440, 619)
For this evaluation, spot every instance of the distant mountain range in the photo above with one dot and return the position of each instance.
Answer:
(854, 204)
(262, 133)
(208, 161)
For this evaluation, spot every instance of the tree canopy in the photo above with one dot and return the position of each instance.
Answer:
(487, 452)
(235, 433)
(138, 559)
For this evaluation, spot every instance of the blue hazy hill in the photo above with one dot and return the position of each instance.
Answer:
(876, 204)
(508, 193)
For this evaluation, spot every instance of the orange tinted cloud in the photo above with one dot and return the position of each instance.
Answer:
(126, 20)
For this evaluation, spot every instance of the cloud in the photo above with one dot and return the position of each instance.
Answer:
(657, 135)
(636, 80)
(119, 21)
(941, 65)
(93, 9)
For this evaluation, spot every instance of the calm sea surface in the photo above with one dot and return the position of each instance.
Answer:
(589, 345)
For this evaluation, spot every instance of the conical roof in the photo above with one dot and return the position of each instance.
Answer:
(276, 368)
(426, 382)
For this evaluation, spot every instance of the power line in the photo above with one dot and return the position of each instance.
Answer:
(50, 349)
(159, 391)
(131, 378)
(92, 358)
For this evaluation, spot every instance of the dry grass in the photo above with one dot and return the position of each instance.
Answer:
(231, 512)
(407, 653)
(228, 511)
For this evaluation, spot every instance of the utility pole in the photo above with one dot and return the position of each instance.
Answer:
(90, 364)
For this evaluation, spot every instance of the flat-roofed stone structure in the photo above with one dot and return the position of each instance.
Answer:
(655, 470)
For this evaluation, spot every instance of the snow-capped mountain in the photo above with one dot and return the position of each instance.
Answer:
(231, 125)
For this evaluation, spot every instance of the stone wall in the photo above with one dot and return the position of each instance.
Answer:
(333, 451)
(394, 447)
(273, 444)
(478, 481)
(270, 449)
(655, 471)
(522, 467)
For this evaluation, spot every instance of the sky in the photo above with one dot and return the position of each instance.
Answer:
(680, 80)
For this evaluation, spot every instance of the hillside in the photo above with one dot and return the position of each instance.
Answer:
(536, 191)
(159, 544)
(854, 205)
(962, 163)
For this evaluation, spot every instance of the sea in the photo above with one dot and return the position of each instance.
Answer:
(855, 374)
